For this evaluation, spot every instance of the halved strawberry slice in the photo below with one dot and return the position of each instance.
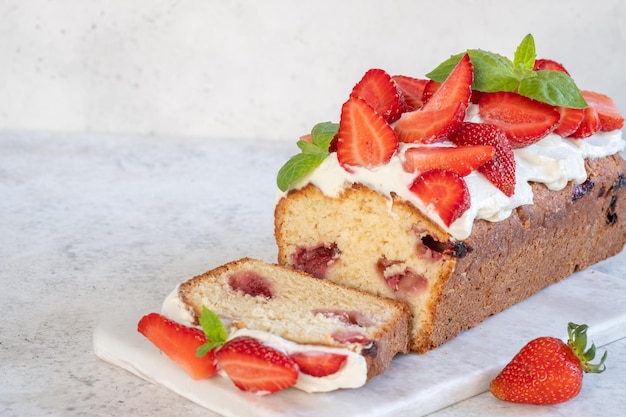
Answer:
(429, 126)
(500, 171)
(523, 120)
(610, 117)
(549, 65)
(589, 125)
(379, 91)
(364, 138)
(443, 112)
(179, 343)
(255, 367)
(429, 90)
(446, 191)
(458, 159)
(411, 90)
(569, 121)
(318, 363)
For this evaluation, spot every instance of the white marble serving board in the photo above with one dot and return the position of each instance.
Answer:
(414, 385)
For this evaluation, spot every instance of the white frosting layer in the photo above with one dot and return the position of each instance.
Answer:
(353, 373)
(553, 161)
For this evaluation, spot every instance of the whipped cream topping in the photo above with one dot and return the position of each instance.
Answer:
(353, 373)
(553, 161)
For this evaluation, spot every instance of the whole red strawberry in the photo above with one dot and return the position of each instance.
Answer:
(547, 370)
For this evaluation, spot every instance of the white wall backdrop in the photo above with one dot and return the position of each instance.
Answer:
(264, 69)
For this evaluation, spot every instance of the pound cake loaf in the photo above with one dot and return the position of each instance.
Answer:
(460, 194)
(297, 313)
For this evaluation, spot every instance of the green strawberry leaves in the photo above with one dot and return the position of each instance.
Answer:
(213, 329)
(312, 155)
(493, 72)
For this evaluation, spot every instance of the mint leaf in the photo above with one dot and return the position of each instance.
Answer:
(213, 329)
(492, 72)
(313, 154)
(525, 54)
(553, 87)
(310, 148)
(444, 69)
(296, 168)
(322, 134)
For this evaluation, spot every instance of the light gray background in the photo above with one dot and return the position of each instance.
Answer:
(264, 69)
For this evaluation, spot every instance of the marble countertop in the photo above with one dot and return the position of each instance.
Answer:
(91, 224)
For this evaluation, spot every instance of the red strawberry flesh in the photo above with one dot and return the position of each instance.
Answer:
(255, 367)
(318, 363)
(379, 91)
(364, 138)
(525, 121)
(500, 171)
(461, 160)
(610, 117)
(443, 112)
(445, 191)
(179, 343)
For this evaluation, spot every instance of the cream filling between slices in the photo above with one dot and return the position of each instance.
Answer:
(353, 373)
(553, 161)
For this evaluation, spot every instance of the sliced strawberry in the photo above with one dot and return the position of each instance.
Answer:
(589, 125)
(255, 367)
(318, 363)
(380, 91)
(429, 126)
(525, 121)
(457, 88)
(364, 138)
(549, 65)
(412, 91)
(500, 171)
(569, 121)
(443, 112)
(445, 191)
(610, 117)
(459, 159)
(429, 90)
(179, 343)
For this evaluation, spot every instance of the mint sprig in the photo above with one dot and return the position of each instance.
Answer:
(213, 329)
(493, 72)
(312, 155)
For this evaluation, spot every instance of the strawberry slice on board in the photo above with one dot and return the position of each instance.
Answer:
(523, 120)
(179, 343)
(445, 191)
(318, 363)
(379, 90)
(364, 137)
(500, 171)
(610, 117)
(443, 112)
(411, 91)
(255, 367)
(458, 159)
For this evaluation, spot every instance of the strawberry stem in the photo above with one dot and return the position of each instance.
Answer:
(578, 342)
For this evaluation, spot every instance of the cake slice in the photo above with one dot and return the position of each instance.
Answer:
(298, 315)
(457, 238)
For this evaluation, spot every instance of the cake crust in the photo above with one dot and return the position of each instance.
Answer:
(499, 265)
(290, 312)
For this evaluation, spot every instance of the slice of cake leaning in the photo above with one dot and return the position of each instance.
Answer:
(460, 194)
